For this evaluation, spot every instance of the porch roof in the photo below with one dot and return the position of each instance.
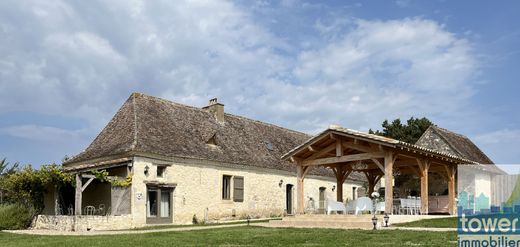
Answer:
(395, 145)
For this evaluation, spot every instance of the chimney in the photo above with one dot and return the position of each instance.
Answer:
(215, 108)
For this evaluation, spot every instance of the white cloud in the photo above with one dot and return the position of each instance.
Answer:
(42, 133)
(84, 58)
(501, 144)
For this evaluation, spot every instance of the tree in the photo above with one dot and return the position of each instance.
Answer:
(409, 132)
(5, 169)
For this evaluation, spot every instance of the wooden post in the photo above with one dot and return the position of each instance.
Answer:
(389, 176)
(77, 202)
(341, 175)
(424, 166)
(339, 184)
(450, 171)
(299, 190)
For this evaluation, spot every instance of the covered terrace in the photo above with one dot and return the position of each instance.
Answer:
(346, 151)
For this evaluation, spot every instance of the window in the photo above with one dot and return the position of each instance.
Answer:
(160, 171)
(226, 187)
(238, 189)
(159, 205)
(152, 203)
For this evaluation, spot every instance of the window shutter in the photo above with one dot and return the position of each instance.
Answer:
(238, 189)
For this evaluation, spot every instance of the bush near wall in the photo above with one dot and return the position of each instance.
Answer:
(15, 216)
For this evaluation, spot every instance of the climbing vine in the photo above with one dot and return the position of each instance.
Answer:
(27, 185)
(102, 175)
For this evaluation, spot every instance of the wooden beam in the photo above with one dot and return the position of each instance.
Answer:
(341, 159)
(322, 152)
(86, 184)
(339, 148)
(376, 161)
(358, 147)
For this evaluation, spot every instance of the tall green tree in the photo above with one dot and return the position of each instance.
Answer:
(408, 132)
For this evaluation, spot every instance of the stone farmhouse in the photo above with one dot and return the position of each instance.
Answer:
(188, 164)
(160, 162)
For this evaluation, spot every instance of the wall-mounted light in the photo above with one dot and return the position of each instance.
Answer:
(333, 187)
(280, 183)
(146, 168)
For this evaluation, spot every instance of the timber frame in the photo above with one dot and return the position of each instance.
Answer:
(346, 151)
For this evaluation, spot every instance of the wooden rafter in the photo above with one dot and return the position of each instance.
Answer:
(344, 158)
(322, 152)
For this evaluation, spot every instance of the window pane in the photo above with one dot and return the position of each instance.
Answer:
(226, 187)
(165, 204)
(151, 206)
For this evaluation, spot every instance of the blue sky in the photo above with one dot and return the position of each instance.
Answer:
(67, 66)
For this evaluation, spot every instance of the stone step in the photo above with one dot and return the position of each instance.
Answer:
(363, 219)
(334, 216)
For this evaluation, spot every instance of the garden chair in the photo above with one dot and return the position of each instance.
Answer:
(333, 205)
(363, 204)
(90, 210)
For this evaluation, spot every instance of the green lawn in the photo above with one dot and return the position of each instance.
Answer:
(169, 226)
(243, 236)
(450, 222)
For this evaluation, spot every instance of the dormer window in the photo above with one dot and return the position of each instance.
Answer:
(212, 140)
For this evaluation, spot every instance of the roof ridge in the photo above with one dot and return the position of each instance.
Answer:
(447, 130)
(265, 123)
(225, 113)
(134, 97)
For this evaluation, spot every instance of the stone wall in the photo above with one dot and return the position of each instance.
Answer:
(198, 190)
(82, 223)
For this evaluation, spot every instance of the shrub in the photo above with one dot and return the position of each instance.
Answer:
(15, 216)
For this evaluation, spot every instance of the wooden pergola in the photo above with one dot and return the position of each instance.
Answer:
(346, 151)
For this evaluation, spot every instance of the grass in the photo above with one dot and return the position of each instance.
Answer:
(449, 222)
(243, 236)
(169, 226)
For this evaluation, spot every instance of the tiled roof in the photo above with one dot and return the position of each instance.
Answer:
(146, 124)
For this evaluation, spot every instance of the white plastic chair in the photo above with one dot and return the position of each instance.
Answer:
(333, 205)
(351, 206)
(363, 204)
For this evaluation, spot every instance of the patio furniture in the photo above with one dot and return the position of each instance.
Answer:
(70, 210)
(380, 207)
(90, 210)
(333, 205)
(351, 206)
(101, 210)
(363, 204)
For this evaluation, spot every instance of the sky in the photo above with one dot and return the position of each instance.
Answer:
(67, 66)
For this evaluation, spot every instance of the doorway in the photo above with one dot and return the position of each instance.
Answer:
(322, 200)
(159, 205)
(289, 199)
